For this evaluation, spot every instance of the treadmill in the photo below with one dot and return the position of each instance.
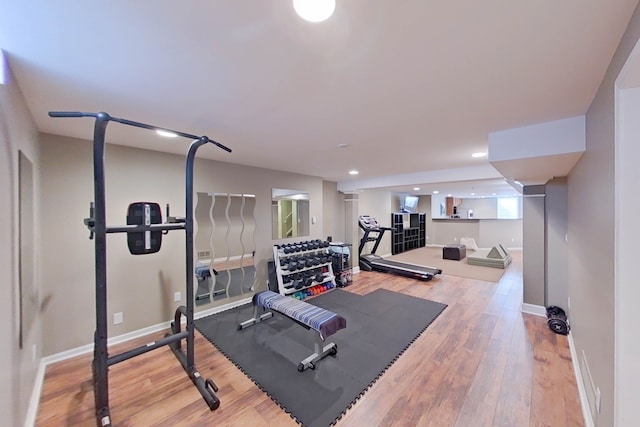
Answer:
(373, 232)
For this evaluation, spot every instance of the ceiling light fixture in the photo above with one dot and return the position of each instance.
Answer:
(4, 69)
(353, 172)
(314, 10)
(479, 154)
(166, 133)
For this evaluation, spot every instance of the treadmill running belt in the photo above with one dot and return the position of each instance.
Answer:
(404, 267)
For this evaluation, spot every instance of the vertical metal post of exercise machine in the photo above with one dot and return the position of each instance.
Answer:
(99, 229)
(206, 387)
(100, 360)
(189, 231)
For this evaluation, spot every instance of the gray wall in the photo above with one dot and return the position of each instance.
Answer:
(17, 132)
(591, 259)
(486, 233)
(141, 287)
(534, 245)
(378, 203)
(333, 210)
(481, 207)
(557, 287)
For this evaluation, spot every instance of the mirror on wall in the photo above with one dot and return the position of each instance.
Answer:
(28, 293)
(225, 246)
(289, 213)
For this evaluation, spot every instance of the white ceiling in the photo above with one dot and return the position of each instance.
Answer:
(411, 86)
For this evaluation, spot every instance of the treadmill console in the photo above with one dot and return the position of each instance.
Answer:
(368, 223)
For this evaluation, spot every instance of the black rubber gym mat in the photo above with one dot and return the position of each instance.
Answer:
(380, 326)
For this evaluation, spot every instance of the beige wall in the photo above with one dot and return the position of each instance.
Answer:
(487, 233)
(378, 203)
(333, 210)
(17, 132)
(141, 287)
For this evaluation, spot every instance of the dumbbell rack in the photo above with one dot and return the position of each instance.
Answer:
(298, 265)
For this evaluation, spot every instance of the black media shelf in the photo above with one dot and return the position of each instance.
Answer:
(407, 238)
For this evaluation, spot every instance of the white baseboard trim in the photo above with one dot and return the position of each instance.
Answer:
(34, 402)
(584, 402)
(536, 310)
(221, 308)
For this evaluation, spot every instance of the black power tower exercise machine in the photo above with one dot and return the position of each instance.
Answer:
(144, 236)
(373, 232)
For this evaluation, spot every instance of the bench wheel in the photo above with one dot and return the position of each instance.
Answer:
(300, 367)
(334, 350)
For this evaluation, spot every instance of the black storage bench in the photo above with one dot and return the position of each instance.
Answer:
(454, 252)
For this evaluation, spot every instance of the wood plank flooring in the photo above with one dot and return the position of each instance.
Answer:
(481, 363)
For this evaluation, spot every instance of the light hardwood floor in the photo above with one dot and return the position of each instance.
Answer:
(480, 363)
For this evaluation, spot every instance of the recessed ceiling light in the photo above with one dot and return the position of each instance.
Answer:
(166, 133)
(416, 188)
(449, 195)
(314, 10)
(473, 194)
(494, 194)
(479, 154)
(436, 192)
(353, 172)
(4, 68)
(343, 145)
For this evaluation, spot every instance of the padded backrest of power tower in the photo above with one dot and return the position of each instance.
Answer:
(144, 242)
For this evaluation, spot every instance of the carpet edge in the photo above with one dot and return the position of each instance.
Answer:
(285, 410)
(350, 404)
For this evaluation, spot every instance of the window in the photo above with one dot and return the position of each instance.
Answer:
(509, 208)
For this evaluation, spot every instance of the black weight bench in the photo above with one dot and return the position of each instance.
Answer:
(324, 322)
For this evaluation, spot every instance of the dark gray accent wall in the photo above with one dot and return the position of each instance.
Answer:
(533, 245)
(557, 290)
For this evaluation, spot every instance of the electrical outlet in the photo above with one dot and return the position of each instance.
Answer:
(118, 318)
(177, 296)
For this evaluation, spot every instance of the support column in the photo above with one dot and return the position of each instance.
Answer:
(351, 233)
(533, 245)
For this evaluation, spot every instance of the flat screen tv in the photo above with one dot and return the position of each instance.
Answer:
(410, 204)
(414, 220)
